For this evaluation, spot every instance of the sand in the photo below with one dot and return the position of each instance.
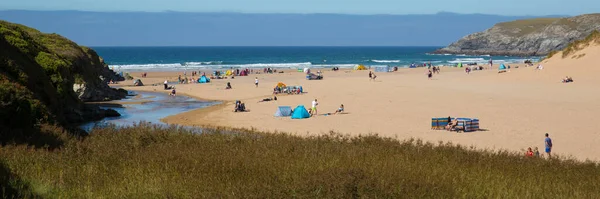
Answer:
(515, 108)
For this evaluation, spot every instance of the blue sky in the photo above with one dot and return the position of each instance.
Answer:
(503, 7)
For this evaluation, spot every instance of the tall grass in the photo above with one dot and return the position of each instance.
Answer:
(573, 47)
(151, 162)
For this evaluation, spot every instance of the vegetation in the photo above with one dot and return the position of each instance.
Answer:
(150, 162)
(593, 38)
(526, 26)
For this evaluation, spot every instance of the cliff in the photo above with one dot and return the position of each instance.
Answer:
(37, 76)
(530, 37)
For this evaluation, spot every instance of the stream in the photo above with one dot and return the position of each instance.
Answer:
(153, 107)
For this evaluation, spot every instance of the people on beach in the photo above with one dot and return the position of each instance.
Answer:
(340, 109)
(548, 144)
(529, 152)
(166, 84)
(239, 106)
(567, 79)
(256, 82)
(173, 93)
(228, 85)
(452, 125)
(491, 63)
(536, 152)
(539, 67)
(370, 75)
(269, 99)
(313, 110)
(429, 74)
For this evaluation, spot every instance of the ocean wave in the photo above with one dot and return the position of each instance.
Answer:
(202, 63)
(146, 66)
(445, 54)
(467, 60)
(386, 61)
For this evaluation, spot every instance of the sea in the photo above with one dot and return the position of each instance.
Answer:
(203, 58)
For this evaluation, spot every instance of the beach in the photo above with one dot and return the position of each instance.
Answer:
(515, 108)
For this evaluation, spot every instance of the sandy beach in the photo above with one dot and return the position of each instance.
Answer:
(515, 108)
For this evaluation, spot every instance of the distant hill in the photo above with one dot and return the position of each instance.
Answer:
(237, 29)
(529, 37)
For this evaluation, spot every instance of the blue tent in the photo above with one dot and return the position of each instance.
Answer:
(300, 112)
(203, 79)
(502, 67)
(283, 111)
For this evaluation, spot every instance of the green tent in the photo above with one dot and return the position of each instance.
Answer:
(459, 65)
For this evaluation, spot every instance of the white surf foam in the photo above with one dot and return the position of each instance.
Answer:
(386, 61)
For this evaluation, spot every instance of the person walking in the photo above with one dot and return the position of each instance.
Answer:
(548, 143)
(313, 110)
(256, 82)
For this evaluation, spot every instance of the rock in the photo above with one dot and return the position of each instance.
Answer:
(111, 113)
(531, 37)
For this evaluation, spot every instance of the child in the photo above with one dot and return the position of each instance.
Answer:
(529, 152)
(536, 152)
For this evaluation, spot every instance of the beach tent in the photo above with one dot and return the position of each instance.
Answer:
(283, 111)
(360, 67)
(228, 73)
(203, 79)
(280, 85)
(412, 65)
(382, 69)
(502, 67)
(459, 65)
(300, 112)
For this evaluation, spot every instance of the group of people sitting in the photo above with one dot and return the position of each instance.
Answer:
(567, 79)
(239, 106)
(532, 153)
(287, 89)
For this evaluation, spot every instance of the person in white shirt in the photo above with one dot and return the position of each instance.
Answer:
(313, 110)
(166, 85)
(256, 81)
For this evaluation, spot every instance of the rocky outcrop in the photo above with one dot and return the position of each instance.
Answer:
(530, 37)
(45, 78)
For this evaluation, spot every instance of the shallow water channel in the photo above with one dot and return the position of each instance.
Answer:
(148, 107)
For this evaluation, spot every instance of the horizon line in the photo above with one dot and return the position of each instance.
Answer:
(294, 13)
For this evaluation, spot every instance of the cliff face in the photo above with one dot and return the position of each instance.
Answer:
(37, 76)
(531, 37)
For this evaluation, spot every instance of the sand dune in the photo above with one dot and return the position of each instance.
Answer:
(516, 108)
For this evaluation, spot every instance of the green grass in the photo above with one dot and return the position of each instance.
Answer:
(526, 26)
(150, 162)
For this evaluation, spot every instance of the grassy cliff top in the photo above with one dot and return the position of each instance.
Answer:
(527, 26)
